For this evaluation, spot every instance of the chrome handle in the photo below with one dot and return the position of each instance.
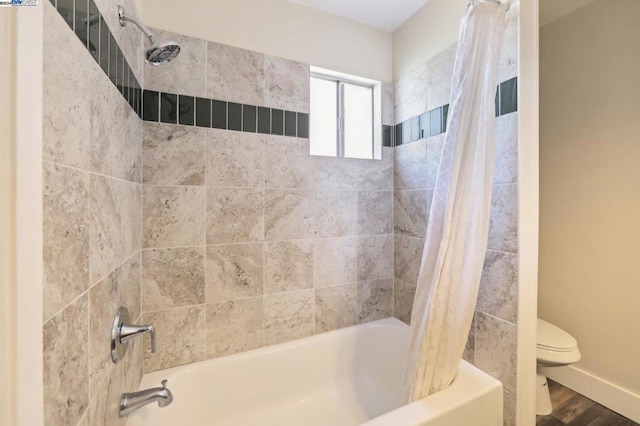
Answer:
(123, 331)
(129, 331)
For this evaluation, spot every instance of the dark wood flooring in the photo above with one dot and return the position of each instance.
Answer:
(572, 409)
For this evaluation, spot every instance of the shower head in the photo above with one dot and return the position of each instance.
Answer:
(158, 53)
(162, 53)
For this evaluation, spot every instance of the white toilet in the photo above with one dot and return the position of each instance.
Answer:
(554, 348)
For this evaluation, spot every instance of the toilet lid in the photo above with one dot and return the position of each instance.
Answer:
(554, 338)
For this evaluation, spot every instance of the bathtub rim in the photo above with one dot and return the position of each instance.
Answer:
(390, 322)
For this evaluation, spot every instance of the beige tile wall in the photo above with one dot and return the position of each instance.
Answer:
(492, 344)
(247, 239)
(227, 269)
(92, 225)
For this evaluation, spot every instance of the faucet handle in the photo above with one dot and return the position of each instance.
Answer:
(164, 383)
(129, 331)
(123, 331)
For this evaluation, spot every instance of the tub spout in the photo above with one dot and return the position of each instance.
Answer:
(130, 402)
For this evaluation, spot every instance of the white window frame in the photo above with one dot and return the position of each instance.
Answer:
(341, 79)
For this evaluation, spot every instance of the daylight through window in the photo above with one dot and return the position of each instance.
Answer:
(341, 117)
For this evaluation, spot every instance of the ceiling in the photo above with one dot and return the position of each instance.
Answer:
(389, 15)
(386, 15)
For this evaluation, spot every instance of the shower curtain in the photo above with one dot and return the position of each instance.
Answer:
(458, 228)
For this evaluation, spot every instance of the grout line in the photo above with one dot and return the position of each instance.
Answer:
(475, 336)
(496, 317)
(86, 291)
(358, 246)
(313, 246)
(390, 234)
(142, 162)
(264, 234)
(53, 162)
(176, 308)
(204, 258)
(88, 335)
(393, 247)
(501, 251)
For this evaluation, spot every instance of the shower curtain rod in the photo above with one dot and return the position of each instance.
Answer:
(498, 3)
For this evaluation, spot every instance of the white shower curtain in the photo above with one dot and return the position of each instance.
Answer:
(458, 227)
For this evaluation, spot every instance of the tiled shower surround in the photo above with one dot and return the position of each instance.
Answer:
(231, 240)
(492, 344)
(247, 239)
(92, 215)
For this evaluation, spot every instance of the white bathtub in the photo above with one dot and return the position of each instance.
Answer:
(346, 377)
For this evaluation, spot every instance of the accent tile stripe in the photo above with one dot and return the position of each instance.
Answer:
(434, 122)
(86, 21)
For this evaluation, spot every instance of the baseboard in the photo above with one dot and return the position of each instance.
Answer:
(611, 396)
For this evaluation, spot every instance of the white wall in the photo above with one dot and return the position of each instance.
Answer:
(279, 28)
(427, 33)
(7, 204)
(590, 185)
(28, 42)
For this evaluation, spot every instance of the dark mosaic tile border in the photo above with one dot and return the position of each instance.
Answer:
(212, 113)
(507, 97)
(387, 135)
(86, 21)
(434, 122)
(173, 108)
(430, 123)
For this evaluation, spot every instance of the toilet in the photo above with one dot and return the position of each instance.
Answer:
(554, 348)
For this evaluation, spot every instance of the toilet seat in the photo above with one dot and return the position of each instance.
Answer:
(554, 346)
(554, 338)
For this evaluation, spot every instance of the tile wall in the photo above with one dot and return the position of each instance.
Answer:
(247, 240)
(492, 342)
(92, 200)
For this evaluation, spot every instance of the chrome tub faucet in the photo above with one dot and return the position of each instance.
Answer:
(130, 402)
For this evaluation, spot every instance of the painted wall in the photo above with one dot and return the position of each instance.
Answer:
(92, 199)
(552, 10)
(7, 221)
(249, 241)
(428, 32)
(433, 29)
(280, 28)
(492, 343)
(589, 185)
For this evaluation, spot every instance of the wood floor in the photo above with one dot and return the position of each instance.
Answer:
(572, 409)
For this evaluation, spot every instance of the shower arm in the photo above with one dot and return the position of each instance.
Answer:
(126, 18)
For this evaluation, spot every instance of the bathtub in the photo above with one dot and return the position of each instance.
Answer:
(351, 376)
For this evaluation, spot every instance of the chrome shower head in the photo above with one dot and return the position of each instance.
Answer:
(158, 53)
(162, 53)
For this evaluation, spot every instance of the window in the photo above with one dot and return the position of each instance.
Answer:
(343, 116)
